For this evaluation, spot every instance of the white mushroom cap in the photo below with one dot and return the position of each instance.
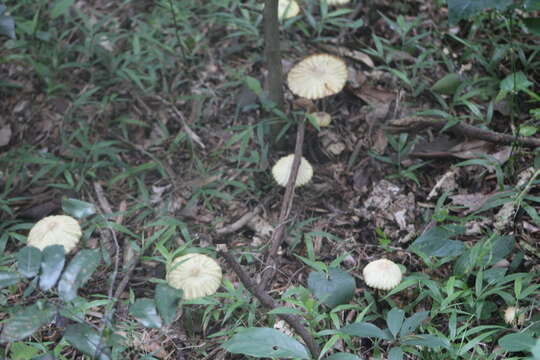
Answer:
(197, 275)
(337, 2)
(323, 118)
(282, 170)
(511, 316)
(55, 230)
(382, 274)
(288, 9)
(318, 76)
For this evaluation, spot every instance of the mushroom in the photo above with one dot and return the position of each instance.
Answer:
(382, 274)
(282, 170)
(513, 317)
(317, 76)
(288, 9)
(55, 230)
(197, 275)
(337, 2)
(322, 118)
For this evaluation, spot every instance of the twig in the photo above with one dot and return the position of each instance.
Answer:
(277, 236)
(293, 320)
(238, 224)
(414, 123)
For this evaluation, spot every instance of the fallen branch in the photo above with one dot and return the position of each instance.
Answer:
(293, 320)
(415, 123)
(240, 223)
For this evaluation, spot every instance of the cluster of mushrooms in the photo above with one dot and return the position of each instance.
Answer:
(315, 77)
(200, 275)
(196, 274)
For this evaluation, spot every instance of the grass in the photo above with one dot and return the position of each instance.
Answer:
(141, 100)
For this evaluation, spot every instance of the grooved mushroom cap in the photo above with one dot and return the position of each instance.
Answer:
(197, 275)
(317, 76)
(282, 170)
(55, 230)
(511, 316)
(337, 2)
(323, 118)
(382, 274)
(288, 9)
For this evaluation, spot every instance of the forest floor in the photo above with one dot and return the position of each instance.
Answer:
(149, 113)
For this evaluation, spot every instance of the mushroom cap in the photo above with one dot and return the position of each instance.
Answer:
(382, 274)
(288, 9)
(323, 118)
(197, 275)
(318, 76)
(512, 316)
(337, 2)
(282, 170)
(55, 230)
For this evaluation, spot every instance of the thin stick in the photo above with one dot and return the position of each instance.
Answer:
(240, 223)
(293, 320)
(277, 236)
(414, 123)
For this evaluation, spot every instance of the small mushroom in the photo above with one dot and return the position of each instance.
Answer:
(55, 230)
(322, 118)
(318, 76)
(337, 2)
(288, 9)
(382, 274)
(513, 317)
(282, 170)
(197, 275)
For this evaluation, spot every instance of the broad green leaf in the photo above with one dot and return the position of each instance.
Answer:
(527, 130)
(265, 343)
(87, 340)
(21, 351)
(28, 261)
(167, 299)
(77, 273)
(447, 85)
(254, 85)
(365, 329)
(430, 341)
(8, 278)
(395, 353)
(515, 82)
(46, 356)
(394, 320)
(77, 208)
(145, 312)
(500, 247)
(436, 242)
(26, 321)
(536, 350)
(464, 9)
(52, 264)
(333, 288)
(517, 342)
(412, 323)
(342, 356)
